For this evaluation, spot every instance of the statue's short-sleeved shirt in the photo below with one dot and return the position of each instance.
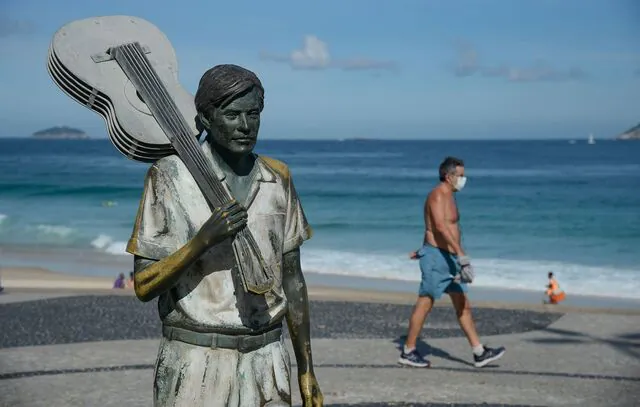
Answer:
(209, 296)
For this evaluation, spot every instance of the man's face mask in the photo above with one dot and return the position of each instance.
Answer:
(460, 183)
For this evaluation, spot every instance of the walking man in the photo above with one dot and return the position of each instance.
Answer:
(445, 268)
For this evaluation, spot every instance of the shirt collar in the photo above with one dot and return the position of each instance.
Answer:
(265, 173)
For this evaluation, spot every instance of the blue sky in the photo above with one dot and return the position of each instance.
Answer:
(354, 68)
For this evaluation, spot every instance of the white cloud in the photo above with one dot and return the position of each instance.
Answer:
(315, 54)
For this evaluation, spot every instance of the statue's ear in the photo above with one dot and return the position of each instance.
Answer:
(204, 121)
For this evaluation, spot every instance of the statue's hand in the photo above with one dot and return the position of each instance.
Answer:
(310, 391)
(224, 222)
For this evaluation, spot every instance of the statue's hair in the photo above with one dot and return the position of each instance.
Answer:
(222, 84)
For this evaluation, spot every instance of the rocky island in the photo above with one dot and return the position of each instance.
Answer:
(631, 134)
(61, 133)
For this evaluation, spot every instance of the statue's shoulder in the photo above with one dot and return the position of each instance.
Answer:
(276, 165)
(169, 163)
(167, 167)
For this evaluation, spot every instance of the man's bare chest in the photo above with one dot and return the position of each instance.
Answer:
(452, 214)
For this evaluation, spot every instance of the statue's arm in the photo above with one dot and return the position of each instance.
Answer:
(153, 277)
(295, 290)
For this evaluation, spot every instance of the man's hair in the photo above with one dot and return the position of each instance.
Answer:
(223, 83)
(448, 166)
(550, 274)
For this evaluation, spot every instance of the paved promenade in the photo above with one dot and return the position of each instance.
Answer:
(97, 350)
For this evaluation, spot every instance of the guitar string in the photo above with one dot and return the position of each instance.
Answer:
(172, 124)
(177, 126)
(245, 244)
(248, 236)
(193, 148)
(132, 66)
(171, 104)
(251, 243)
(156, 93)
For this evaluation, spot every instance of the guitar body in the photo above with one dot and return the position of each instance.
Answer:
(80, 64)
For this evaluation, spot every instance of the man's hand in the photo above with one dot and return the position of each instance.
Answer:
(310, 391)
(224, 222)
(413, 255)
(466, 270)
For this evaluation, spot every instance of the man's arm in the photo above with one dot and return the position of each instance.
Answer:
(295, 289)
(437, 205)
(152, 278)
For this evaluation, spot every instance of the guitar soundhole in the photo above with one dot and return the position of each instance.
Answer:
(140, 97)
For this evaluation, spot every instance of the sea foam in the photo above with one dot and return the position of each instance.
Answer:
(500, 273)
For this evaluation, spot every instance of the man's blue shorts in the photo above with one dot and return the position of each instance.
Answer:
(438, 268)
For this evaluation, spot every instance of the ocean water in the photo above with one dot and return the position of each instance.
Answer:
(529, 207)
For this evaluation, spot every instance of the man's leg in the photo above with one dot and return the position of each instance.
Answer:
(418, 316)
(482, 355)
(409, 355)
(431, 288)
(463, 312)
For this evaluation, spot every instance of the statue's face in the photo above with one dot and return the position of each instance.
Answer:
(235, 126)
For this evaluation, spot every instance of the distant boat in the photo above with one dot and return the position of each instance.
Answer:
(591, 140)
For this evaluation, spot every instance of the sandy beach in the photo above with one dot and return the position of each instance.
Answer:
(331, 287)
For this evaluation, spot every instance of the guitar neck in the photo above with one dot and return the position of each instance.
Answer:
(141, 73)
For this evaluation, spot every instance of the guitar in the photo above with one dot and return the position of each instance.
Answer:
(124, 69)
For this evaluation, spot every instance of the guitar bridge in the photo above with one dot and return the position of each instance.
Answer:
(106, 56)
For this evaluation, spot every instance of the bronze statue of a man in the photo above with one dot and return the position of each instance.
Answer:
(222, 345)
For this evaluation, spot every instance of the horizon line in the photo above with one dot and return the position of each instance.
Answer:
(340, 139)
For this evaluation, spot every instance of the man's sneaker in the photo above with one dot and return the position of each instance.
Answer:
(488, 356)
(413, 359)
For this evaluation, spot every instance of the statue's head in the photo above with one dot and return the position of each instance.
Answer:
(229, 101)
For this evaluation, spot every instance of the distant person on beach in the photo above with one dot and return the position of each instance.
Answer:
(130, 283)
(555, 294)
(445, 268)
(119, 283)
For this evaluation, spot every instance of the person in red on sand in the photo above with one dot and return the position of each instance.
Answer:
(555, 294)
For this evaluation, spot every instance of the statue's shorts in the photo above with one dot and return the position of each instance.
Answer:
(438, 269)
(197, 370)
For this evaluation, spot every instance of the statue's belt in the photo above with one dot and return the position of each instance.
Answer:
(242, 343)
